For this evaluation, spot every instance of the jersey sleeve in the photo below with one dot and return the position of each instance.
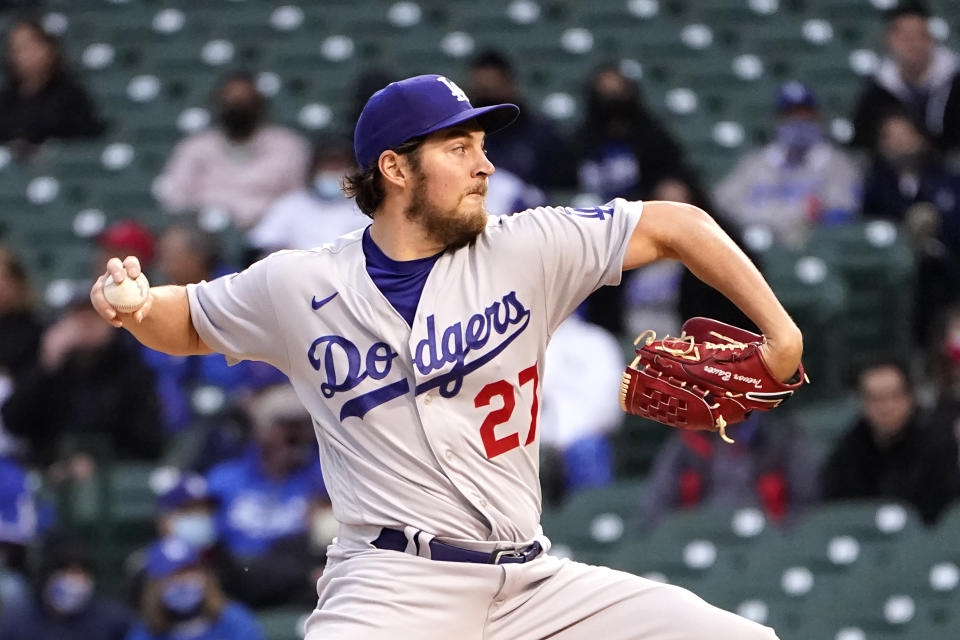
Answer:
(581, 249)
(235, 315)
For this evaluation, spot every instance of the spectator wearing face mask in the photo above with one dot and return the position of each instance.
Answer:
(65, 605)
(185, 511)
(908, 183)
(182, 600)
(273, 511)
(530, 150)
(920, 78)
(621, 149)
(316, 213)
(240, 165)
(798, 180)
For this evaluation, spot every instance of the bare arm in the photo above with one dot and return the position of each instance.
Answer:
(162, 323)
(684, 232)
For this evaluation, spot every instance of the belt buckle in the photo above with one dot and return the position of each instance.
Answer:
(499, 554)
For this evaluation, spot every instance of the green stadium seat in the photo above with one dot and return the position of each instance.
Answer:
(815, 294)
(878, 526)
(282, 623)
(824, 420)
(595, 520)
(875, 261)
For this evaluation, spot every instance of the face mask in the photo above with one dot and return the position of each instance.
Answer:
(907, 160)
(798, 135)
(183, 597)
(68, 593)
(239, 121)
(616, 108)
(196, 529)
(327, 184)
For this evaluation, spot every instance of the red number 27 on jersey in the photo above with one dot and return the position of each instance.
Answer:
(493, 445)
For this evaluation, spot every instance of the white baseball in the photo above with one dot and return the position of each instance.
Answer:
(129, 295)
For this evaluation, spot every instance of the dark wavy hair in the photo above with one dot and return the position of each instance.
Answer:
(366, 185)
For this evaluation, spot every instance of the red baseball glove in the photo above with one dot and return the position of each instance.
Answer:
(710, 377)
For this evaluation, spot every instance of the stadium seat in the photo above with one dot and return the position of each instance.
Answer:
(595, 520)
(815, 294)
(282, 623)
(876, 263)
(878, 526)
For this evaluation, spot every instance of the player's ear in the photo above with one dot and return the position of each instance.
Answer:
(392, 168)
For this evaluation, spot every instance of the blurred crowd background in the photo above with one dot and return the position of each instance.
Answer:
(146, 496)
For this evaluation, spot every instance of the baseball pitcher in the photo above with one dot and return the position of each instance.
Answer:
(417, 346)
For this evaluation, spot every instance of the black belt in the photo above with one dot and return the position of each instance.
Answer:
(394, 540)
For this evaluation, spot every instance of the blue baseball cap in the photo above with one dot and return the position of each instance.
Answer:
(415, 107)
(186, 487)
(170, 555)
(794, 95)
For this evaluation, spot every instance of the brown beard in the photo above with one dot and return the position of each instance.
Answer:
(451, 229)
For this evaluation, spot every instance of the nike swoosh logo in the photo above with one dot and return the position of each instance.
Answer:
(316, 304)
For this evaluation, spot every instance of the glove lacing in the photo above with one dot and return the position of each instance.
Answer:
(690, 341)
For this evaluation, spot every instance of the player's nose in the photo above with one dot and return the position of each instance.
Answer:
(484, 167)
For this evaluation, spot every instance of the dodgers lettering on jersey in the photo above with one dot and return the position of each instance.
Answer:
(431, 354)
(431, 425)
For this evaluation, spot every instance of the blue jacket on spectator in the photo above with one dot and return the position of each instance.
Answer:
(255, 511)
(101, 620)
(235, 623)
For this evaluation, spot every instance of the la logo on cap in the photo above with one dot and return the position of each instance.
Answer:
(454, 89)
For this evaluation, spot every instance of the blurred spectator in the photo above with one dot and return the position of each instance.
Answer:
(186, 254)
(19, 325)
(40, 99)
(944, 362)
(530, 149)
(888, 453)
(18, 529)
(316, 213)
(583, 362)
(621, 149)
(273, 499)
(125, 238)
(798, 180)
(182, 600)
(908, 171)
(241, 165)
(695, 297)
(769, 467)
(65, 605)
(89, 380)
(507, 194)
(909, 183)
(283, 575)
(21, 331)
(920, 77)
(367, 83)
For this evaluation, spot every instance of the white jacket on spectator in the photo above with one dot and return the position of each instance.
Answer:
(763, 189)
(581, 376)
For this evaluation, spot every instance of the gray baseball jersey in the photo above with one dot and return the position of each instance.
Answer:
(432, 426)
